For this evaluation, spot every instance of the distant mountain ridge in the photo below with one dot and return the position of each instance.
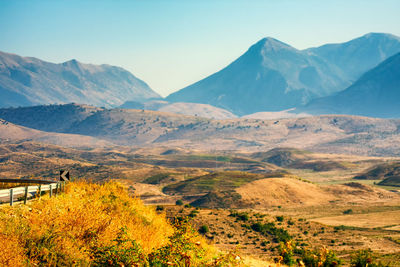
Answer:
(361, 54)
(26, 81)
(273, 76)
(375, 94)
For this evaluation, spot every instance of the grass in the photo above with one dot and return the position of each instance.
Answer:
(227, 180)
(96, 225)
(391, 181)
(157, 178)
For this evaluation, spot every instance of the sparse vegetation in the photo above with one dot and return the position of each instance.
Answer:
(269, 229)
(215, 181)
(364, 258)
(157, 178)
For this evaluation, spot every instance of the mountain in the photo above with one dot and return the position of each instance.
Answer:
(28, 81)
(270, 76)
(375, 94)
(359, 55)
(273, 76)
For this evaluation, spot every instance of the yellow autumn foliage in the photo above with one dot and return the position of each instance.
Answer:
(65, 226)
(101, 225)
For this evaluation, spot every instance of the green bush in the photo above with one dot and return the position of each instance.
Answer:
(320, 258)
(124, 252)
(364, 258)
(193, 213)
(243, 216)
(159, 208)
(204, 229)
(269, 229)
(179, 202)
(349, 211)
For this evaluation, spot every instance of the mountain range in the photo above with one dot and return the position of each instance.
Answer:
(26, 81)
(270, 79)
(273, 76)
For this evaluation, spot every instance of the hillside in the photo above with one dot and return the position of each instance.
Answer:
(138, 128)
(361, 54)
(381, 172)
(26, 81)
(11, 133)
(375, 94)
(200, 110)
(297, 159)
(291, 192)
(191, 109)
(391, 181)
(99, 225)
(215, 181)
(273, 76)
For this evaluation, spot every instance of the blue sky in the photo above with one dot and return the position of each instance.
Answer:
(173, 43)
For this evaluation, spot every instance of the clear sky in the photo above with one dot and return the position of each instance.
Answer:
(173, 43)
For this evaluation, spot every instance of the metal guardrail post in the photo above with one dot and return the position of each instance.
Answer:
(40, 191)
(11, 196)
(26, 195)
(51, 190)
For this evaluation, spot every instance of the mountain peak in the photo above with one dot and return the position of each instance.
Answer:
(72, 62)
(271, 44)
(374, 35)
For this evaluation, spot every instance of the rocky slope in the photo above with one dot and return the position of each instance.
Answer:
(28, 81)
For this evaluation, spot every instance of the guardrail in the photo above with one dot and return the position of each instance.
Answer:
(24, 193)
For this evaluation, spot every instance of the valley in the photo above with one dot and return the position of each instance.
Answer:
(319, 200)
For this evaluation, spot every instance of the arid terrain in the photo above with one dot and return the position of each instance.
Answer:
(319, 200)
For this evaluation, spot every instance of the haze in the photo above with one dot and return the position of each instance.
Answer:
(171, 44)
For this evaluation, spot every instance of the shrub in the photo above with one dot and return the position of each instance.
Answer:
(364, 258)
(97, 225)
(278, 234)
(204, 229)
(349, 211)
(286, 253)
(183, 249)
(320, 258)
(159, 208)
(193, 213)
(179, 202)
(125, 252)
(243, 216)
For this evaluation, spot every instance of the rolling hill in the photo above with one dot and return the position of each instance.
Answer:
(375, 94)
(138, 128)
(11, 133)
(26, 81)
(273, 76)
(192, 109)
